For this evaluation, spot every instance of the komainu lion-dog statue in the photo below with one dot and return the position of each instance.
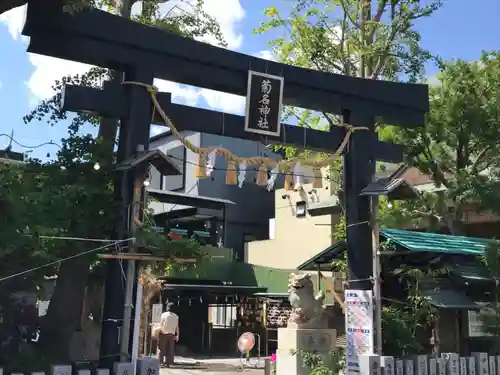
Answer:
(308, 310)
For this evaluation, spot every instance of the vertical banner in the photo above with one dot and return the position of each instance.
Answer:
(359, 327)
(156, 312)
(264, 101)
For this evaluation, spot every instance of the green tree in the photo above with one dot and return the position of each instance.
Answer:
(491, 317)
(457, 147)
(375, 39)
(61, 198)
(366, 39)
(361, 38)
(81, 199)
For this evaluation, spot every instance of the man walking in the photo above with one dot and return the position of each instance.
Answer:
(169, 335)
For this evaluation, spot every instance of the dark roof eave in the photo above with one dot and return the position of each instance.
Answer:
(217, 288)
(159, 137)
(325, 257)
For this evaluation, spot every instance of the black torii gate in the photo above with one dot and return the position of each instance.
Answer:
(143, 53)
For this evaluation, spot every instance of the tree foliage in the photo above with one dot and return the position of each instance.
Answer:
(490, 317)
(361, 38)
(457, 147)
(62, 198)
(367, 39)
(67, 197)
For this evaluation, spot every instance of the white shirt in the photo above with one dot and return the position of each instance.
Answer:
(169, 322)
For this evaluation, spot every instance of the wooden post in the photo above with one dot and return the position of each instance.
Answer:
(377, 294)
(134, 135)
(132, 269)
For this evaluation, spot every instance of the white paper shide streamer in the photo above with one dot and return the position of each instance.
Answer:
(298, 177)
(242, 174)
(272, 180)
(211, 157)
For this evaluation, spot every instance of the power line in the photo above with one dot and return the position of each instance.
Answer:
(64, 259)
(52, 143)
(170, 156)
(248, 169)
(78, 239)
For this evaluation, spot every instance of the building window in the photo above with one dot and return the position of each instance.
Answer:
(223, 316)
(177, 156)
(300, 209)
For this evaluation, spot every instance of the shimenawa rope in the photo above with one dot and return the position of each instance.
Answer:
(264, 162)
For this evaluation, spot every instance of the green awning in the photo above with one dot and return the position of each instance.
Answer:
(442, 294)
(471, 272)
(324, 258)
(250, 278)
(436, 243)
(228, 289)
(408, 240)
(273, 281)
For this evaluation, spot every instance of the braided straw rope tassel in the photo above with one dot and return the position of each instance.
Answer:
(264, 163)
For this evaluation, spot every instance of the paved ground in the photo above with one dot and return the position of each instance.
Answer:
(228, 366)
(179, 371)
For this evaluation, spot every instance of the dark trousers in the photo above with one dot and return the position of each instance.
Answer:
(154, 346)
(167, 346)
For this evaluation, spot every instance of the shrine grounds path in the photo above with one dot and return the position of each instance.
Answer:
(181, 371)
(227, 366)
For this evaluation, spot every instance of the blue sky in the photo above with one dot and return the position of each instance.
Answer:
(458, 30)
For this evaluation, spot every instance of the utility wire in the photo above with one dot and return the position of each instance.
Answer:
(248, 169)
(78, 239)
(12, 139)
(63, 260)
(169, 156)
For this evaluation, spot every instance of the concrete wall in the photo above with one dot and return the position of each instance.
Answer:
(294, 240)
(190, 181)
(249, 217)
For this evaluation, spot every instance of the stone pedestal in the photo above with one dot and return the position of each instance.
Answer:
(292, 342)
(369, 364)
(61, 370)
(148, 366)
(123, 368)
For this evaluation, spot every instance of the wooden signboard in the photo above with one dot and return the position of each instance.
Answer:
(264, 101)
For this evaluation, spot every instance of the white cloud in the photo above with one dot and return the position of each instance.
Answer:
(228, 16)
(14, 20)
(181, 94)
(266, 54)
(1, 85)
(224, 102)
(433, 80)
(47, 70)
(156, 130)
